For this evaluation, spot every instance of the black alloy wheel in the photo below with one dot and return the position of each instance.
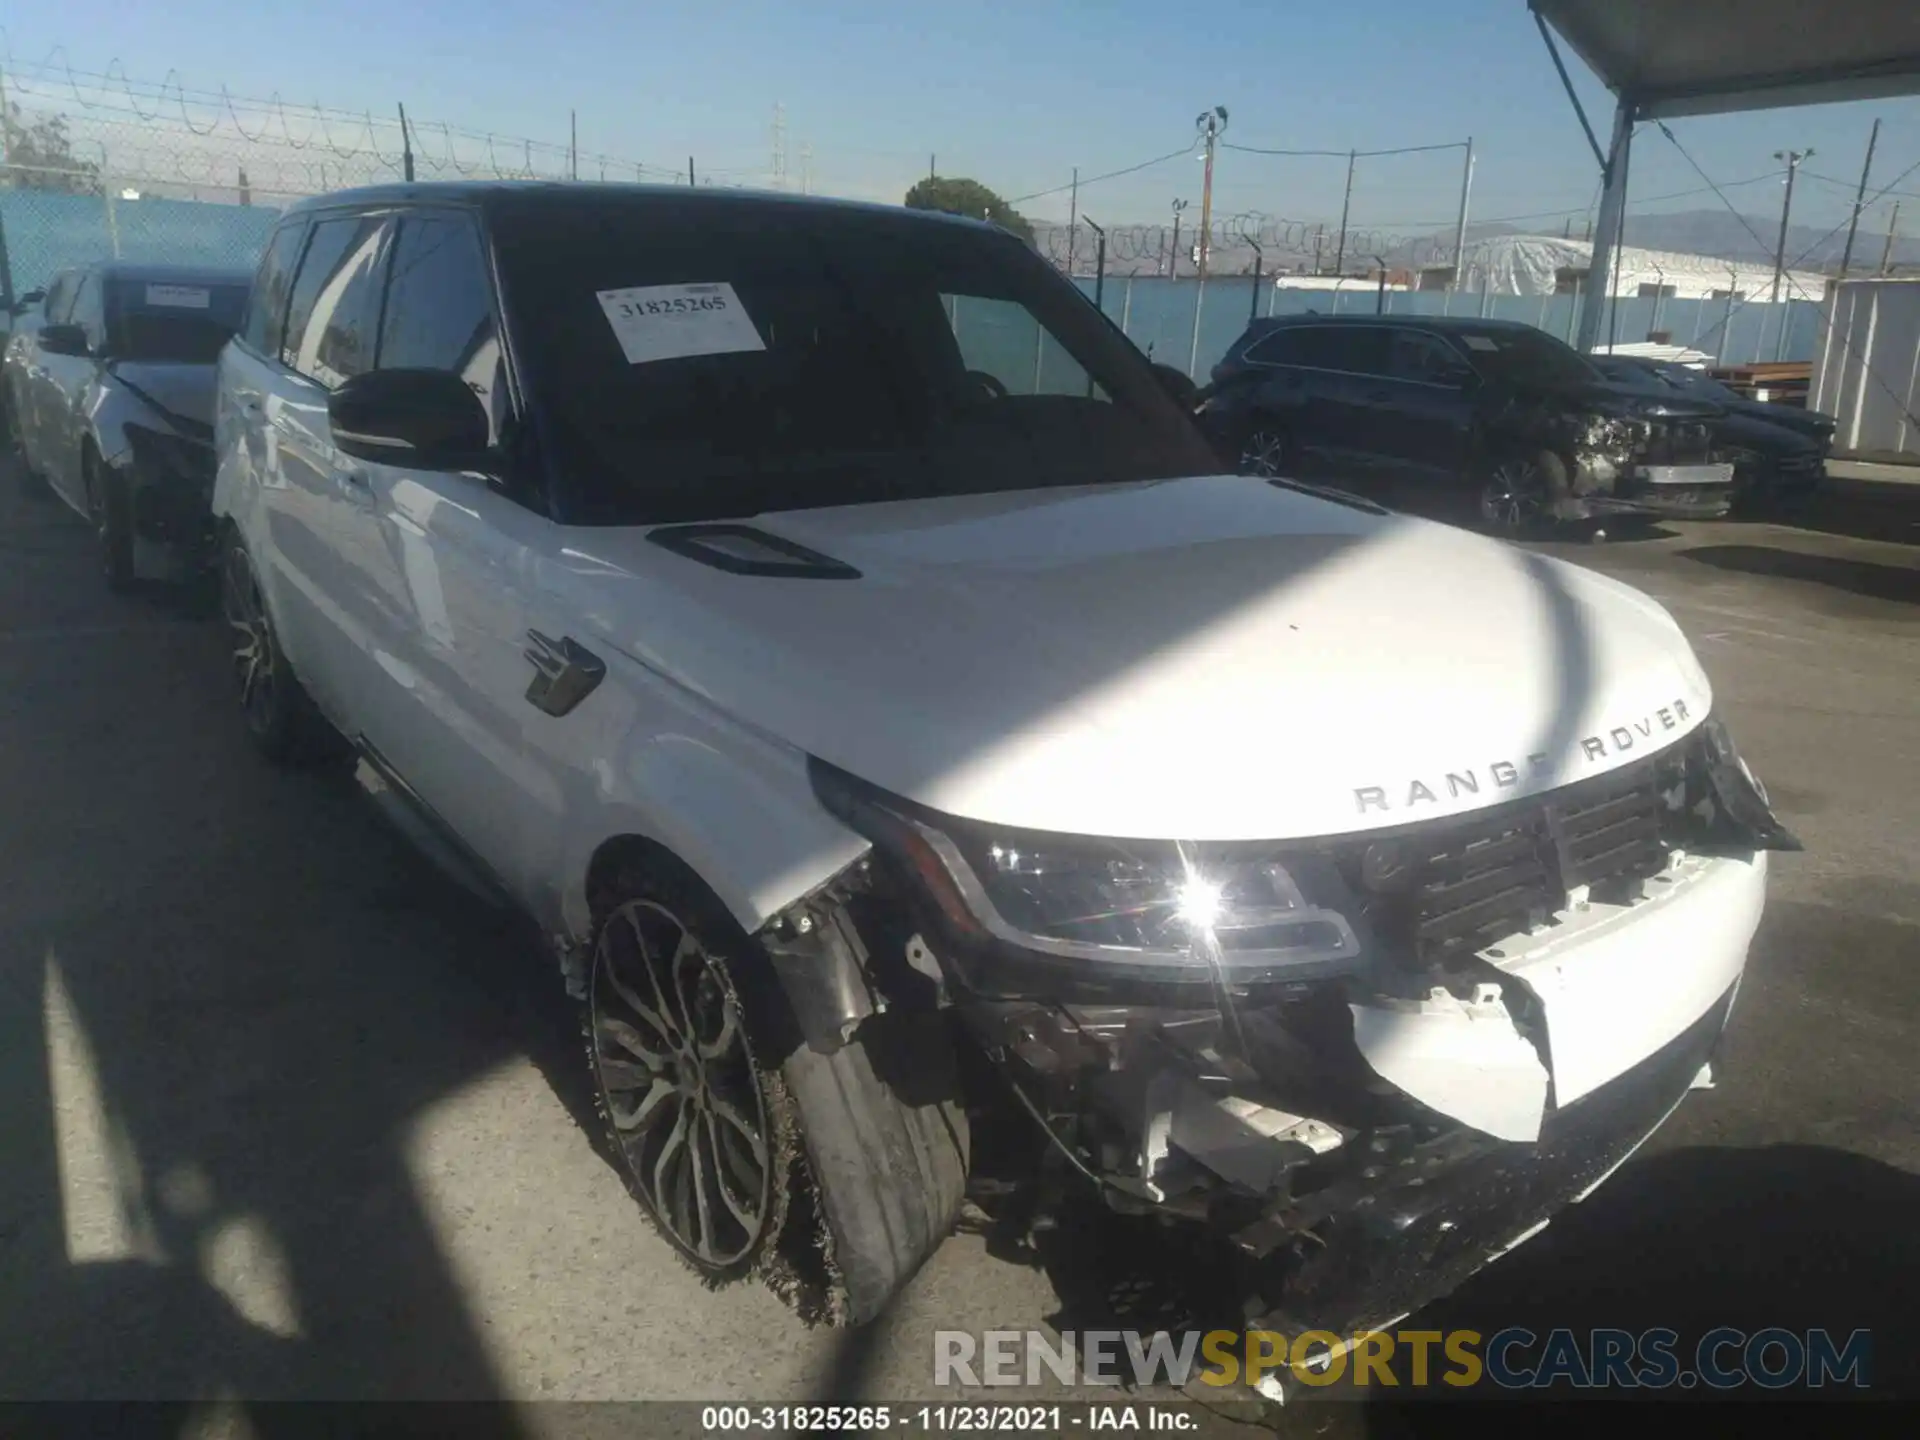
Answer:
(686, 1103)
(1266, 453)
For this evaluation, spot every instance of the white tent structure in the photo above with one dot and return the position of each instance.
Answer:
(1706, 57)
(1549, 265)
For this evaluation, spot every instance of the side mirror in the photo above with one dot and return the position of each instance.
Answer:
(63, 340)
(427, 419)
(24, 303)
(1177, 384)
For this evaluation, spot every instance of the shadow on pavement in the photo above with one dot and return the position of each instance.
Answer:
(1861, 577)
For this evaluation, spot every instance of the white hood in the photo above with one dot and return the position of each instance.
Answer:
(1205, 659)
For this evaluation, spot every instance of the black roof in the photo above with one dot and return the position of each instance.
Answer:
(522, 195)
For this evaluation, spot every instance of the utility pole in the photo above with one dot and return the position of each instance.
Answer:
(1210, 124)
(806, 167)
(1340, 252)
(573, 145)
(1853, 224)
(1173, 250)
(1073, 218)
(779, 146)
(1460, 230)
(690, 180)
(1886, 251)
(933, 171)
(1791, 159)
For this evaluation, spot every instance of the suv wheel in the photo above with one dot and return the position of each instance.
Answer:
(702, 1129)
(281, 719)
(1521, 493)
(1266, 452)
(831, 1176)
(111, 507)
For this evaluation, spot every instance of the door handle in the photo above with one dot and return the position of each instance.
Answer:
(356, 480)
(1379, 396)
(565, 672)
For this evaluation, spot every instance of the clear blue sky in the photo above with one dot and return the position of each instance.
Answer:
(1013, 94)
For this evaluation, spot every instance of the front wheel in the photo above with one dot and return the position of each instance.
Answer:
(1520, 493)
(112, 511)
(832, 1176)
(1266, 452)
(281, 719)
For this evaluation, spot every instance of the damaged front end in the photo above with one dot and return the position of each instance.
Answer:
(1651, 461)
(1369, 1064)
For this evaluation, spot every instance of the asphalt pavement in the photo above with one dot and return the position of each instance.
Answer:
(283, 1115)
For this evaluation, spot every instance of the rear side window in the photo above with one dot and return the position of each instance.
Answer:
(1290, 346)
(1416, 355)
(267, 309)
(336, 300)
(439, 313)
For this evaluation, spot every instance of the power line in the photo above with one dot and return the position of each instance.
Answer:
(1346, 154)
(1186, 149)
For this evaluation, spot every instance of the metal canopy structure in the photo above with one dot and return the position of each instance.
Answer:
(1665, 58)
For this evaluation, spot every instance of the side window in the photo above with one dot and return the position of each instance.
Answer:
(53, 309)
(86, 311)
(267, 305)
(1415, 355)
(1356, 349)
(439, 313)
(336, 300)
(1289, 346)
(1002, 339)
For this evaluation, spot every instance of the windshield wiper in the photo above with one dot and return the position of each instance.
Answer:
(1327, 492)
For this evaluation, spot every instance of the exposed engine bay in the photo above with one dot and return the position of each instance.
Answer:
(1368, 1065)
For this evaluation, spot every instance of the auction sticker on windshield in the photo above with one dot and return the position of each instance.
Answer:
(672, 322)
(179, 297)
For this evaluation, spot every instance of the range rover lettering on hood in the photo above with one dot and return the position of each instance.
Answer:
(1505, 774)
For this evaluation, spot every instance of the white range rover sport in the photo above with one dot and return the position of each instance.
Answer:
(834, 634)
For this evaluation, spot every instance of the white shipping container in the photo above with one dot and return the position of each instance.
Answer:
(1866, 368)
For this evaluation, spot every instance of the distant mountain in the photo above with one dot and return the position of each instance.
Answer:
(1721, 233)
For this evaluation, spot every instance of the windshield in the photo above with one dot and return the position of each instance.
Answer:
(716, 359)
(172, 320)
(1524, 356)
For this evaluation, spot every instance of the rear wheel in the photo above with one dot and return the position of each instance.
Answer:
(281, 720)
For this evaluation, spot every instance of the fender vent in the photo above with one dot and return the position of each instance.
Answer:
(743, 550)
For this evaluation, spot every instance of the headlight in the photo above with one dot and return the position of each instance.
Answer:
(1150, 905)
(1610, 435)
(1740, 807)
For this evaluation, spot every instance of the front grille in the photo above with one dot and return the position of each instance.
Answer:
(1678, 442)
(1463, 884)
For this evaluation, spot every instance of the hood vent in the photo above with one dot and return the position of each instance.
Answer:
(743, 550)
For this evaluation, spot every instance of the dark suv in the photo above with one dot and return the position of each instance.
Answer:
(1486, 418)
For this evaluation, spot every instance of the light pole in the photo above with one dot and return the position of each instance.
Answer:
(1210, 124)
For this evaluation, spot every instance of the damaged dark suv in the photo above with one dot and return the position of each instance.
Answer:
(823, 623)
(1483, 419)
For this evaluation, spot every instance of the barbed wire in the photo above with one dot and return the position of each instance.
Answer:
(176, 140)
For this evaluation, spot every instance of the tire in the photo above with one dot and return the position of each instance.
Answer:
(1266, 450)
(112, 511)
(281, 718)
(818, 1175)
(1520, 494)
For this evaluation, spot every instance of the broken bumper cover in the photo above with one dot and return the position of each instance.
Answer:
(1440, 1219)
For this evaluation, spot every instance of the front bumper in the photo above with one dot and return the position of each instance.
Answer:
(1437, 1220)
